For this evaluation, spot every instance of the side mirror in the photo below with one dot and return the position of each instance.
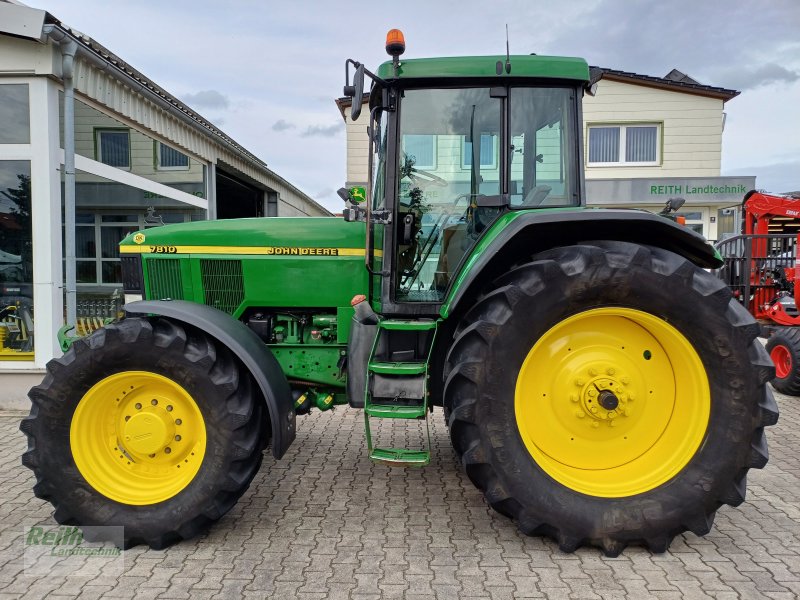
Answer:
(358, 93)
(353, 197)
(673, 205)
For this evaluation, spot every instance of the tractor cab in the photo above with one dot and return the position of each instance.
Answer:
(454, 143)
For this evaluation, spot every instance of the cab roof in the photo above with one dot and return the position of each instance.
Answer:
(547, 67)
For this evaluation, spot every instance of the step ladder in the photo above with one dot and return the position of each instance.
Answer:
(397, 386)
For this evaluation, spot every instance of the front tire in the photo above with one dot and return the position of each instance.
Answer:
(609, 394)
(145, 424)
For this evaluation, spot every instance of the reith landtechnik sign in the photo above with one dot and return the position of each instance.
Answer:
(670, 190)
(725, 191)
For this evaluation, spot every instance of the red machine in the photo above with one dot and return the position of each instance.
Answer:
(761, 269)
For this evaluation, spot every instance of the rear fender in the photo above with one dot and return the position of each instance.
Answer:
(247, 347)
(516, 235)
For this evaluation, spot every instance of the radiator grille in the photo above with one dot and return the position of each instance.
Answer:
(223, 284)
(165, 278)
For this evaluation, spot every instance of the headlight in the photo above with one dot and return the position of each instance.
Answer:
(132, 275)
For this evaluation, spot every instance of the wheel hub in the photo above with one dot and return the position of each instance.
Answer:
(148, 432)
(604, 398)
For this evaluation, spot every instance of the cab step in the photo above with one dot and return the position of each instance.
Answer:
(397, 385)
(395, 411)
(400, 456)
(405, 325)
(398, 368)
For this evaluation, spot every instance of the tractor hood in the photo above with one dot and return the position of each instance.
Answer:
(237, 264)
(302, 236)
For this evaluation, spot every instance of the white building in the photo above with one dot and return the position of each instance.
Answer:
(646, 140)
(649, 139)
(141, 157)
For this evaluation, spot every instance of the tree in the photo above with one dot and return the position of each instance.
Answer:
(20, 241)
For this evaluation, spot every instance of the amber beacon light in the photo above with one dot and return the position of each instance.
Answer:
(395, 43)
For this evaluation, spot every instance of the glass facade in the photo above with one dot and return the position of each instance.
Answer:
(16, 261)
(107, 140)
(105, 212)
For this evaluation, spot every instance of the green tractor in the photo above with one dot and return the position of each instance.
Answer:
(599, 385)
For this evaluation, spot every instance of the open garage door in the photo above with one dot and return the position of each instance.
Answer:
(236, 198)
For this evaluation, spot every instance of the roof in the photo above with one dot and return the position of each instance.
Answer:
(675, 81)
(554, 67)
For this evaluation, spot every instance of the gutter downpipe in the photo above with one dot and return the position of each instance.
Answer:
(69, 49)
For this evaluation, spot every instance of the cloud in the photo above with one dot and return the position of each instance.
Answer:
(777, 177)
(325, 192)
(323, 130)
(206, 99)
(748, 79)
(282, 125)
(701, 38)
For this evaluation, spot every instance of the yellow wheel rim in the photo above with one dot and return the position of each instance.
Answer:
(612, 402)
(138, 437)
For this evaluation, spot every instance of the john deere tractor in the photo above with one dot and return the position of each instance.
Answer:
(600, 387)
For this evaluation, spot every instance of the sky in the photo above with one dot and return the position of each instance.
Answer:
(267, 72)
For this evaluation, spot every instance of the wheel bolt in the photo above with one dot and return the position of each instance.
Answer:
(154, 402)
(625, 380)
(611, 371)
(169, 407)
(592, 372)
(177, 438)
(580, 414)
(594, 409)
(178, 422)
(627, 412)
(138, 406)
(593, 392)
(573, 397)
(595, 424)
(612, 424)
(167, 450)
(579, 382)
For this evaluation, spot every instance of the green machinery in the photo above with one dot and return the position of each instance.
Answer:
(599, 385)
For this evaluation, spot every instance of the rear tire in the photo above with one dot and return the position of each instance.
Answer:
(84, 411)
(637, 288)
(784, 350)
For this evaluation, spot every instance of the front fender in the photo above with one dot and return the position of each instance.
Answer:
(247, 347)
(518, 234)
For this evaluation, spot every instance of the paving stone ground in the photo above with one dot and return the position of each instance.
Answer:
(325, 523)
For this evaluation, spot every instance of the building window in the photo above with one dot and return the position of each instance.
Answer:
(421, 149)
(624, 144)
(488, 152)
(272, 204)
(169, 159)
(15, 120)
(97, 238)
(113, 147)
(694, 220)
(16, 261)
